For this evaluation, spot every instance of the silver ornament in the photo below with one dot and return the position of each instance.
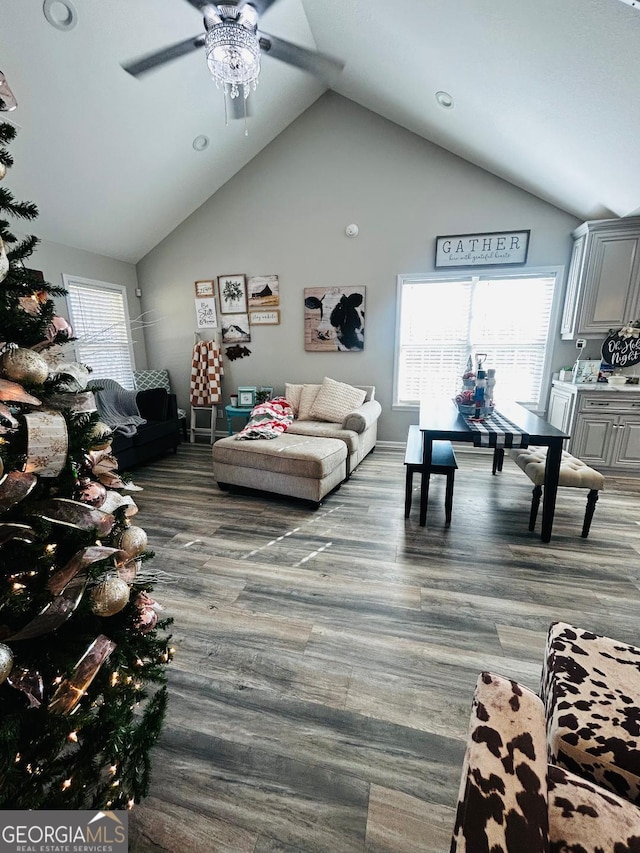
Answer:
(6, 661)
(3, 171)
(133, 540)
(109, 597)
(24, 365)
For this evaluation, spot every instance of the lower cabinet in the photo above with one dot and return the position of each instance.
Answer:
(604, 425)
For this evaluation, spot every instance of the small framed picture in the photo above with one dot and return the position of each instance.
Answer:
(232, 292)
(586, 372)
(247, 396)
(263, 291)
(235, 329)
(265, 318)
(206, 313)
(205, 289)
(264, 393)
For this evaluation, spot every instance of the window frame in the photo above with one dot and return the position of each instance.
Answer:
(96, 284)
(492, 273)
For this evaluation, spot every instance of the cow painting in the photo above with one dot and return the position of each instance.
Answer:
(334, 319)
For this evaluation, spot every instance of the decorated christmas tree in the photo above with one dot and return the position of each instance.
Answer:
(82, 654)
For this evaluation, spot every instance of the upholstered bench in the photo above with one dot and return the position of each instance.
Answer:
(591, 690)
(443, 461)
(299, 466)
(573, 473)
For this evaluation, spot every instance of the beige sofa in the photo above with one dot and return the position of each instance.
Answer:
(310, 459)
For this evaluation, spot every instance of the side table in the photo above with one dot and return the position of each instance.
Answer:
(236, 412)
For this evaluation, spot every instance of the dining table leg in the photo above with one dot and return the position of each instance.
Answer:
(551, 477)
(425, 473)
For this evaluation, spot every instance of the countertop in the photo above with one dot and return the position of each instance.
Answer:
(598, 387)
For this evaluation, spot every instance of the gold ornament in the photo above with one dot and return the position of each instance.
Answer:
(100, 436)
(3, 171)
(133, 540)
(6, 661)
(24, 365)
(109, 597)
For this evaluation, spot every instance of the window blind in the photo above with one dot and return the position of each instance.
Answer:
(100, 319)
(442, 322)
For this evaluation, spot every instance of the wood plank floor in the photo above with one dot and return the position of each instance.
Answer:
(326, 660)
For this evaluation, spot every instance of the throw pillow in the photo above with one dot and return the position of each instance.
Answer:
(335, 400)
(292, 393)
(307, 397)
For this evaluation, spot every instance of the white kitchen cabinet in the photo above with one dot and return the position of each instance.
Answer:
(603, 422)
(603, 284)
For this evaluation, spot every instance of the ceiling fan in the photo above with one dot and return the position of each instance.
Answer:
(233, 46)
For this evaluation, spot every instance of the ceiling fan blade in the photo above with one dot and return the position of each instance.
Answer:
(322, 66)
(201, 5)
(159, 57)
(260, 6)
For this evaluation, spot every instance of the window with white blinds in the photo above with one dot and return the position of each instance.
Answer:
(442, 321)
(100, 319)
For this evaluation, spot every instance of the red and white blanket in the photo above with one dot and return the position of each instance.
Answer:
(267, 420)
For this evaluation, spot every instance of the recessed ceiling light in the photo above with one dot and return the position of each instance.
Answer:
(200, 142)
(61, 14)
(444, 99)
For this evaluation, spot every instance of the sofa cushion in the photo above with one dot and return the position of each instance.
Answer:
(335, 400)
(153, 404)
(322, 429)
(584, 817)
(296, 455)
(363, 417)
(307, 396)
(292, 393)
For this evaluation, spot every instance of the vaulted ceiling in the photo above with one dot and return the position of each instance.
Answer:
(545, 95)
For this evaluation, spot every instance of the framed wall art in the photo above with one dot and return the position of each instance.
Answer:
(232, 292)
(263, 291)
(265, 318)
(205, 289)
(494, 249)
(334, 319)
(206, 317)
(235, 329)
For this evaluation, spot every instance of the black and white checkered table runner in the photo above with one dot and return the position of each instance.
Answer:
(497, 431)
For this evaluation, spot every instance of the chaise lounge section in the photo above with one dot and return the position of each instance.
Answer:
(316, 454)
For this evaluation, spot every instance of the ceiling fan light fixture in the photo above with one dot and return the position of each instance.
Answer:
(233, 57)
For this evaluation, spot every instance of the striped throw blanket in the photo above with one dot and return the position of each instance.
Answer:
(267, 420)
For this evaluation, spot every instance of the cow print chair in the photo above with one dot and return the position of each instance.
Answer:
(512, 801)
(591, 690)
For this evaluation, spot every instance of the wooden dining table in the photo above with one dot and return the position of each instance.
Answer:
(441, 420)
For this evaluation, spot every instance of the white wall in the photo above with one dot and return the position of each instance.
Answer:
(286, 212)
(55, 259)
